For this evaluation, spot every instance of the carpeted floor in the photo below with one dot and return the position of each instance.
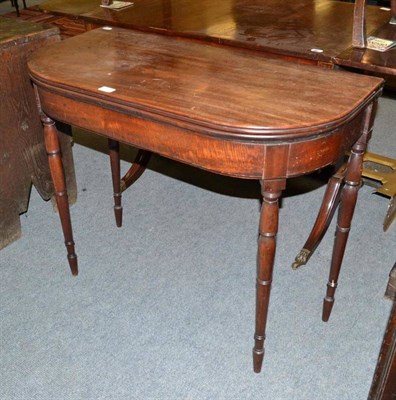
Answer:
(163, 308)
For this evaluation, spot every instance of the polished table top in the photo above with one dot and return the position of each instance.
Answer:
(317, 30)
(178, 79)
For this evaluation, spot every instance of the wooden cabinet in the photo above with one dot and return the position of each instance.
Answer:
(384, 381)
(23, 159)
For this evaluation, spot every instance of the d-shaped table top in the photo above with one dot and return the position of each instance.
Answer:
(217, 90)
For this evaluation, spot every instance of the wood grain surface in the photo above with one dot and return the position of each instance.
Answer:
(210, 86)
(370, 60)
(287, 28)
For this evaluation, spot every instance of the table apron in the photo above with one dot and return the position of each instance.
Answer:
(248, 159)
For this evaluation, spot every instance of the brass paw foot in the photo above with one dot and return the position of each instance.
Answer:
(302, 258)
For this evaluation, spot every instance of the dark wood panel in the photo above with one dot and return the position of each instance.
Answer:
(22, 154)
(287, 28)
(384, 381)
(374, 61)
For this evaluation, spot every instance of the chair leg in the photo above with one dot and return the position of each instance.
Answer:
(15, 4)
(268, 228)
(347, 206)
(359, 39)
(114, 151)
(24, 4)
(58, 178)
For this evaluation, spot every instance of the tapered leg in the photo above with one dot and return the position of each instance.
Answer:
(58, 177)
(347, 206)
(114, 150)
(268, 228)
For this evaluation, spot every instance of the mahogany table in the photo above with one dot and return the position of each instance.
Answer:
(198, 104)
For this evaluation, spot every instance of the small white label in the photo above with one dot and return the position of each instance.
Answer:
(106, 89)
(107, 28)
(385, 9)
(317, 50)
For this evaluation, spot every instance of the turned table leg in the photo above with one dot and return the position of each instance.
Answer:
(133, 174)
(349, 193)
(58, 177)
(114, 150)
(268, 228)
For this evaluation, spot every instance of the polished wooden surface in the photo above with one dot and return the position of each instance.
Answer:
(22, 154)
(290, 29)
(198, 104)
(370, 60)
(167, 67)
(69, 7)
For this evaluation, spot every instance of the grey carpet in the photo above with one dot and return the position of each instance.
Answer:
(163, 308)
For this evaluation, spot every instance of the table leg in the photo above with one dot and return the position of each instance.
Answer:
(65, 136)
(138, 167)
(114, 151)
(268, 228)
(329, 204)
(348, 199)
(58, 177)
